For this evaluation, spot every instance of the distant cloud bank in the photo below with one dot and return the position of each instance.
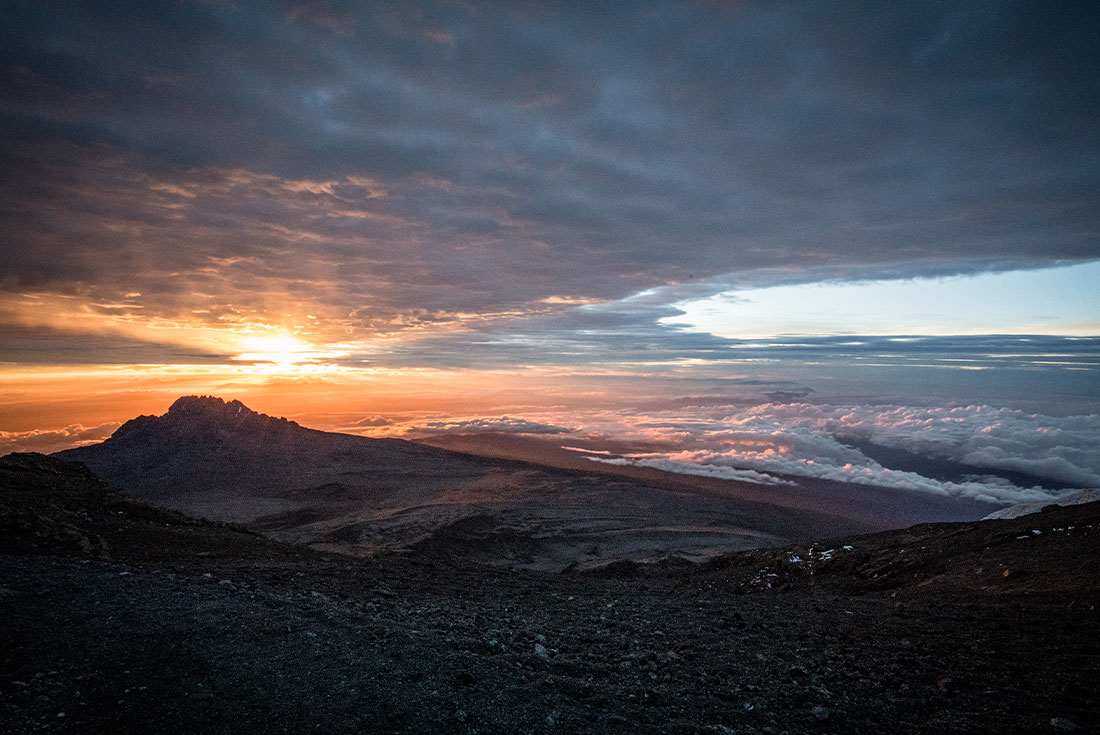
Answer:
(54, 440)
(503, 424)
(810, 440)
(994, 454)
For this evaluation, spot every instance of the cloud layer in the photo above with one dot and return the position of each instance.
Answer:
(533, 188)
(502, 424)
(821, 441)
(353, 171)
(995, 454)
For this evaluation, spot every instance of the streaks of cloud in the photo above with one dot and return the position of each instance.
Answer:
(690, 466)
(328, 15)
(436, 166)
(53, 440)
(994, 454)
(503, 424)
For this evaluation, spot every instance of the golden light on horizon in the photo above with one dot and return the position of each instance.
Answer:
(287, 354)
(283, 350)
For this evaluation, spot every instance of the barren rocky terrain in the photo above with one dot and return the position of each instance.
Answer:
(511, 501)
(122, 617)
(222, 461)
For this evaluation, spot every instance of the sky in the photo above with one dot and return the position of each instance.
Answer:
(429, 213)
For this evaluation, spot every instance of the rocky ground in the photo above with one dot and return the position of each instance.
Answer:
(119, 617)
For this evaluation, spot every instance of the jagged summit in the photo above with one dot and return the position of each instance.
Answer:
(192, 405)
(213, 408)
(204, 445)
(204, 415)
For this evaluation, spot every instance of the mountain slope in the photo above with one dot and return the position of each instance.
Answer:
(205, 444)
(1052, 554)
(221, 460)
(882, 507)
(50, 506)
(183, 626)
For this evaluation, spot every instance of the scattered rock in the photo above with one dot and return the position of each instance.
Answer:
(666, 657)
(1064, 724)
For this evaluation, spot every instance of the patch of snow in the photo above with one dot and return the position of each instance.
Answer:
(1023, 509)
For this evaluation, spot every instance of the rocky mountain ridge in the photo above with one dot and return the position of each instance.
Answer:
(198, 415)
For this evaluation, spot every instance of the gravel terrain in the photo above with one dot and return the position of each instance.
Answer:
(120, 617)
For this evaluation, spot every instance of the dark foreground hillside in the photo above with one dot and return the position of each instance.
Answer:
(120, 617)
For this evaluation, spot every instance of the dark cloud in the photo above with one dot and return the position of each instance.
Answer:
(49, 346)
(505, 424)
(789, 396)
(340, 20)
(629, 332)
(396, 167)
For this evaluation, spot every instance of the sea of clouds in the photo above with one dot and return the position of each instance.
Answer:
(814, 440)
(989, 453)
(765, 442)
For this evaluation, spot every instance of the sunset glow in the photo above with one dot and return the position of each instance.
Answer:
(358, 219)
(465, 366)
(283, 354)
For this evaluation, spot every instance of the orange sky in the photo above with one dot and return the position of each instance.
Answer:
(384, 215)
(80, 398)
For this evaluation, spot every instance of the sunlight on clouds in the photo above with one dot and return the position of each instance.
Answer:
(284, 353)
(230, 334)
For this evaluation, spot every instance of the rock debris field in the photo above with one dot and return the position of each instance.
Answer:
(121, 617)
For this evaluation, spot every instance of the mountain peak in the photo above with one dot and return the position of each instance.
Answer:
(209, 406)
(204, 416)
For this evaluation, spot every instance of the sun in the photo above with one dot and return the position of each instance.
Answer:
(285, 353)
(282, 352)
